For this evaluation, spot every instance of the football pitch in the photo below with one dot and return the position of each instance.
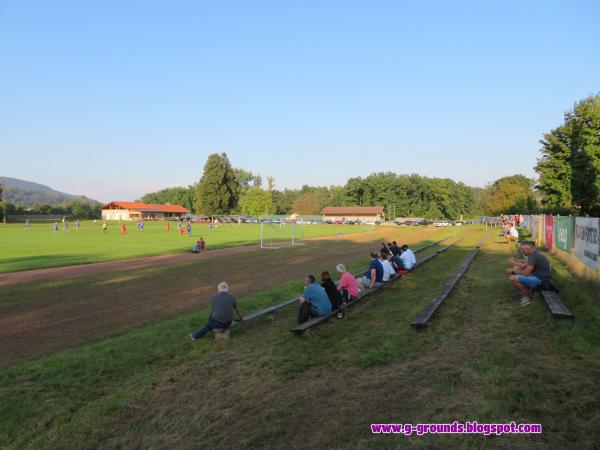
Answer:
(41, 247)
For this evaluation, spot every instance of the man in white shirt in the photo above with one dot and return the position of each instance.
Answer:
(408, 258)
(388, 269)
(512, 234)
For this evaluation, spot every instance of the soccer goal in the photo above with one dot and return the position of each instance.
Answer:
(278, 235)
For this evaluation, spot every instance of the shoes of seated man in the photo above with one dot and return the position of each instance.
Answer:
(524, 301)
(193, 338)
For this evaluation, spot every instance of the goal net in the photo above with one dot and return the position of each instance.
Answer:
(278, 235)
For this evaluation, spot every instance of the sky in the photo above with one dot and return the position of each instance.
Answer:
(114, 99)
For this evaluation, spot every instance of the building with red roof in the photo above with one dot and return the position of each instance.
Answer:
(354, 213)
(141, 211)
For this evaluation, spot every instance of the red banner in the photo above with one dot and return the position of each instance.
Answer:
(549, 232)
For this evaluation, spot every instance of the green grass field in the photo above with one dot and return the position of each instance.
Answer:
(482, 358)
(41, 247)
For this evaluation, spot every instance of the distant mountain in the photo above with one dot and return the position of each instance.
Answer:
(28, 193)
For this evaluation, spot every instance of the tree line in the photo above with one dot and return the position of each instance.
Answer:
(224, 189)
(82, 208)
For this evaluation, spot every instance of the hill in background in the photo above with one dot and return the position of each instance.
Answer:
(27, 194)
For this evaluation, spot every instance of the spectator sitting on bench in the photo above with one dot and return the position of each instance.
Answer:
(347, 287)
(388, 270)
(373, 277)
(314, 301)
(384, 249)
(331, 289)
(529, 274)
(221, 313)
(391, 249)
(512, 234)
(396, 251)
(408, 258)
(397, 263)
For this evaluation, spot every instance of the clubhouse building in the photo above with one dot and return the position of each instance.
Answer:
(141, 211)
(354, 213)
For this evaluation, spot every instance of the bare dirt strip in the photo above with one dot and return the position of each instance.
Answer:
(44, 316)
(82, 270)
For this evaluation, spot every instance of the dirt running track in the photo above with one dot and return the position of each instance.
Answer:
(55, 309)
(82, 270)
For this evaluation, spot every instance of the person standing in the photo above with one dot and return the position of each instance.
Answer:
(222, 306)
(56, 227)
(27, 225)
(201, 244)
(104, 227)
(123, 229)
(77, 223)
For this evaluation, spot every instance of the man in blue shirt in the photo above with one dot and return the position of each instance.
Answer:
(314, 302)
(374, 276)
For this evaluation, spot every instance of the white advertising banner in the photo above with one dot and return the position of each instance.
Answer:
(587, 240)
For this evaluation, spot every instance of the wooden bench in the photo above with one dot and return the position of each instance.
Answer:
(298, 329)
(552, 299)
(270, 310)
(423, 318)
(557, 309)
(441, 250)
(317, 320)
(275, 308)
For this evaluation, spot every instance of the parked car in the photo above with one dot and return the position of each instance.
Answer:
(350, 222)
(329, 222)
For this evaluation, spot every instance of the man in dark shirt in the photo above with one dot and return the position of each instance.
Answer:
(221, 314)
(532, 273)
(396, 251)
(374, 276)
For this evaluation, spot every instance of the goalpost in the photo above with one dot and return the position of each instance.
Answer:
(297, 237)
(273, 235)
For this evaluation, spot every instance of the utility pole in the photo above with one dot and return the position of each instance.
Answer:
(3, 191)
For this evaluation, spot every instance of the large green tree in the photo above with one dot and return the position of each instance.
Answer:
(510, 194)
(256, 202)
(184, 196)
(246, 179)
(585, 162)
(218, 190)
(307, 203)
(569, 167)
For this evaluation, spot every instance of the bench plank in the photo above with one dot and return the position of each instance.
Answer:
(425, 315)
(557, 308)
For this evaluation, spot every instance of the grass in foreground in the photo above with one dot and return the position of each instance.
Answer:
(41, 247)
(483, 358)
